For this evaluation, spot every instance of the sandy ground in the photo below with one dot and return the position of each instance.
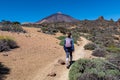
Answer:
(61, 71)
(38, 55)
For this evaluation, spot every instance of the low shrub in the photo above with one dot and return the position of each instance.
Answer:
(62, 29)
(61, 43)
(99, 52)
(4, 71)
(93, 69)
(49, 30)
(113, 49)
(62, 40)
(114, 58)
(61, 37)
(7, 43)
(90, 46)
(12, 28)
(76, 37)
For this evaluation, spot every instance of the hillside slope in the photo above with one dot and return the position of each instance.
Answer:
(37, 56)
(36, 51)
(60, 70)
(57, 17)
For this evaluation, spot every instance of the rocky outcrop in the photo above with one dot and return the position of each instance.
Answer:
(101, 18)
(118, 22)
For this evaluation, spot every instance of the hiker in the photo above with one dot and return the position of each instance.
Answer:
(69, 48)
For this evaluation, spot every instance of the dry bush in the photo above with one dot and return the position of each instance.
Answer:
(114, 58)
(90, 46)
(7, 43)
(99, 52)
(12, 28)
(3, 71)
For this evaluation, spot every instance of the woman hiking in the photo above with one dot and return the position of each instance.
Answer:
(69, 48)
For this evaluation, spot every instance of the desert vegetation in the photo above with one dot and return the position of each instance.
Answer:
(3, 71)
(94, 69)
(53, 28)
(105, 34)
(11, 26)
(90, 46)
(100, 52)
(62, 40)
(105, 42)
(32, 25)
(7, 43)
(102, 33)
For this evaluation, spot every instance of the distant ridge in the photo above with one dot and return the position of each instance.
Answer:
(57, 17)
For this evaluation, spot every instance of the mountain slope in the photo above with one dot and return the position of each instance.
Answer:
(57, 17)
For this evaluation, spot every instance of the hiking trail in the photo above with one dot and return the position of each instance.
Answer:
(60, 70)
(38, 56)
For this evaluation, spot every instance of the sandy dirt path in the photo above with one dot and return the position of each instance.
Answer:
(37, 50)
(38, 56)
(60, 70)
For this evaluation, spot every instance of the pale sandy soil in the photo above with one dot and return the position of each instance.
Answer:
(61, 71)
(37, 56)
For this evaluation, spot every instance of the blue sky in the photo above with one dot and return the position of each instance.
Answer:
(34, 10)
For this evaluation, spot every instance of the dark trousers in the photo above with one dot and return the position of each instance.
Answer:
(69, 53)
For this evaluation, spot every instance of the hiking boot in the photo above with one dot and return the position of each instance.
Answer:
(67, 64)
(71, 62)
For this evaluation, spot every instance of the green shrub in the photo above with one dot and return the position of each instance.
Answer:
(93, 69)
(76, 37)
(61, 43)
(114, 58)
(90, 46)
(61, 37)
(62, 40)
(113, 49)
(7, 43)
(44, 29)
